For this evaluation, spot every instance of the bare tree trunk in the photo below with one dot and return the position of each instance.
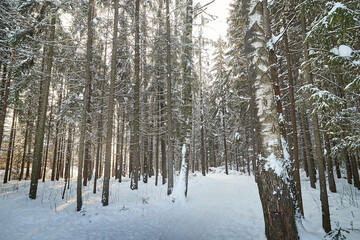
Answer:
(170, 156)
(202, 148)
(5, 95)
(68, 159)
(298, 195)
(136, 130)
(11, 140)
(84, 114)
(121, 153)
(28, 155)
(323, 191)
(56, 143)
(87, 151)
(187, 85)
(25, 146)
(48, 139)
(39, 139)
(330, 168)
(157, 160)
(309, 155)
(163, 161)
(224, 140)
(110, 112)
(355, 171)
(337, 167)
(58, 161)
(275, 194)
(118, 148)
(99, 134)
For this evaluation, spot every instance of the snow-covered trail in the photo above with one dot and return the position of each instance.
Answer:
(218, 207)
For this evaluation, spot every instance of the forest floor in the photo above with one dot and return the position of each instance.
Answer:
(219, 206)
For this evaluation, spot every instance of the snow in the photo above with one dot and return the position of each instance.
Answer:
(342, 51)
(325, 20)
(279, 166)
(219, 206)
(178, 195)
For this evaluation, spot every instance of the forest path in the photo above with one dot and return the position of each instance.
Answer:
(218, 207)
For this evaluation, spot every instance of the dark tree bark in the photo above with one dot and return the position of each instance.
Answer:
(11, 140)
(84, 114)
(136, 124)
(170, 156)
(68, 160)
(39, 139)
(318, 149)
(26, 138)
(308, 149)
(110, 112)
(4, 92)
(48, 140)
(330, 168)
(298, 195)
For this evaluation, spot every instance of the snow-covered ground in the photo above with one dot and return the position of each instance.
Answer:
(218, 207)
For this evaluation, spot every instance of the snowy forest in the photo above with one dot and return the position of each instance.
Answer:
(123, 119)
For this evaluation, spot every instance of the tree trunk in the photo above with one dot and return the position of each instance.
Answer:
(163, 161)
(121, 153)
(99, 133)
(118, 148)
(170, 156)
(202, 140)
(187, 84)
(330, 168)
(48, 139)
(274, 192)
(110, 112)
(84, 114)
(296, 164)
(355, 171)
(11, 140)
(28, 155)
(39, 139)
(5, 90)
(68, 160)
(308, 149)
(157, 143)
(25, 146)
(323, 191)
(224, 141)
(136, 130)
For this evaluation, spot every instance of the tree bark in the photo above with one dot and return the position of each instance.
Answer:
(5, 95)
(330, 168)
(48, 139)
(274, 191)
(110, 112)
(84, 114)
(170, 156)
(323, 191)
(39, 139)
(296, 164)
(68, 160)
(187, 84)
(136, 131)
(308, 149)
(8, 167)
(25, 146)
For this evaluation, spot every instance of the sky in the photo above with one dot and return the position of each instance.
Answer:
(217, 27)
